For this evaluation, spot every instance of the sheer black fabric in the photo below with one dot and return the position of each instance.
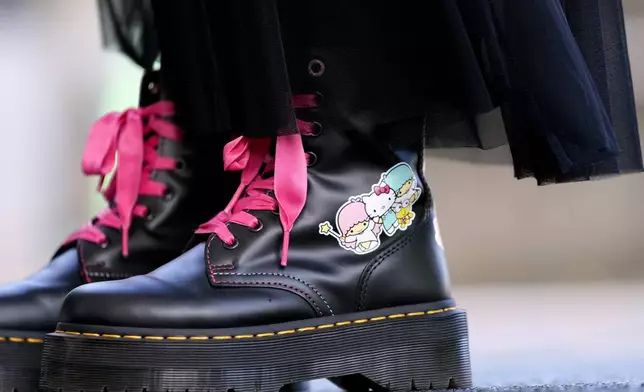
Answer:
(127, 26)
(556, 70)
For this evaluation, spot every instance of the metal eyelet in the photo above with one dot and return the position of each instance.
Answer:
(276, 212)
(317, 129)
(168, 195)
(150, 216)
(231, 246)
(316, 68)
(259, 227)
(319, 98)
(313, 159)
(104, 244)
(153, 88)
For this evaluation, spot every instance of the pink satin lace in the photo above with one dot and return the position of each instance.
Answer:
(288, 182)
(134, 135)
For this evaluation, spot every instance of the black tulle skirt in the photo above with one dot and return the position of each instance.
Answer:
(556, 71)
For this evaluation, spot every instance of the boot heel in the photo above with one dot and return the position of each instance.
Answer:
(429, 353)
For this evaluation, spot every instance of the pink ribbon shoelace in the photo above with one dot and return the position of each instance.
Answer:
(288, 182)
(134, 136)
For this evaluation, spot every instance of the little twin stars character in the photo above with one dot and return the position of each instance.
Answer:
(358, 232)
(387, 207)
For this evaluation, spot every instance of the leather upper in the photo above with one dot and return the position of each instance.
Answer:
(193, 196)
(214, 286)
(33, 303)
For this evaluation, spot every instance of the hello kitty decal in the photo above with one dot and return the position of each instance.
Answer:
(387, 208)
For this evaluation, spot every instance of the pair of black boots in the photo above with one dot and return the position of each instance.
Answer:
(324, 262)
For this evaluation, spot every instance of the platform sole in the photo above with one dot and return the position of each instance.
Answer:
(417, 347)
(20, 355)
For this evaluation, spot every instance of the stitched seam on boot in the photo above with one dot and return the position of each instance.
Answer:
(393, 248)
(284, 276)
(85, 273)
(212, 266)
(110, 275)
(310, 299)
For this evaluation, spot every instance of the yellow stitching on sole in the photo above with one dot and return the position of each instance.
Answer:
(259, 335)
(2, 339)
(35, 340)
(17, 340)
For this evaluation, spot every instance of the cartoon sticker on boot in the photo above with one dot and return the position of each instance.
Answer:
(388, 208)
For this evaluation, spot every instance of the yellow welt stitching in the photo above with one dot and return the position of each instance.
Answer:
(17, 340)
(34, 340)
(2, 339)
(260, 335)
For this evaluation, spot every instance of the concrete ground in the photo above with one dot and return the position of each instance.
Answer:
(554, 337)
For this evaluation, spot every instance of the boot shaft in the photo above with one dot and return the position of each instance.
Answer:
(366, 237)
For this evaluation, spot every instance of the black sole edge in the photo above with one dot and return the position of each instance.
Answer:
(398, 352)
(20, 356)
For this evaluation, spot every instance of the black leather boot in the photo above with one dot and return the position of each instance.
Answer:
(326, 263)
(157, 198)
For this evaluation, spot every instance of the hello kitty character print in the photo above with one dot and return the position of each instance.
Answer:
(387, 208)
